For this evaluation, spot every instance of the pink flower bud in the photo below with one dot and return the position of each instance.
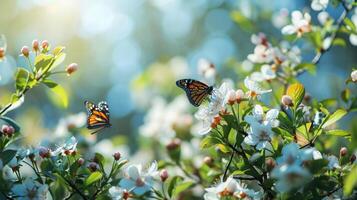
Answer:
(80, 161)
(117, 156)
(343, 151)
(231, 97)
(25, 51)
(354, 76)
(164, 175)
(239, 95)
(216, 121)
(44, 44)
(270, 163)
(287, 101)
(174, 144)
(35, 45)
(208, 161)
(93, 166)
(44, 152)
(7, 130)
(2, 52)
(71, 68)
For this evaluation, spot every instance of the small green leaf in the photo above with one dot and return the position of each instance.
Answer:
(7, 155)
(43, 62)
(57, 50)
(337, 132)
(242, 21)
(345, 95)
(172, 184)
(22, 77)
(223, 148)
(94, 177)
(59, 91)
(58, 60)
(350, 25)
(232, 136)
(339, 42)
(334, 117)
(209, 141)
(181, 187)
(297, 92)
(350, 181)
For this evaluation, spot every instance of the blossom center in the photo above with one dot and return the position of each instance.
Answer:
(264, 136)
(139, 182)
(226, 193)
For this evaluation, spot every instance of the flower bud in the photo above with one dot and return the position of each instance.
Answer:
(2, 52)
(343, 151)
(216, 121)
(208, 161)
(164, 175)
(25, 51)
(44, 44)
(35, 45)
(80, 161)
(353, 158)
(242, 195)
(116, 156)
(287, 101)
(239, 95)
(44, 152)
(307, 97)
(93, 166)
(354, 76)
(174, 144)
(231, 97)
(71, 68)
(270, 163)
(7, 130)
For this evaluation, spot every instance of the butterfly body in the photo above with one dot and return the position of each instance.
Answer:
(98, 116)
(196, 91)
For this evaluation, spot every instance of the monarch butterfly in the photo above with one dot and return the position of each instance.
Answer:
(196, 91)
(98, 116)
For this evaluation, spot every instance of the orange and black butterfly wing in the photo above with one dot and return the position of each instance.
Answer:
(98, 115)
(196, 91)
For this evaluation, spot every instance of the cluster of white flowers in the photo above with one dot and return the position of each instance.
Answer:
(231, 189)
(137, 180)
(163, 119)
(353, 37)
(30, 189)
(290, 172)
(271, 58)
(260, 133)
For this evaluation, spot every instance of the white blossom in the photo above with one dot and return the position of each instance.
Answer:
(255, 90)
(138, 180)
(262, 54)
(333, 162)
(319, 5)
(207, 70)
(231, 188)
(354, 75)
(280, 18)
(300, 24)
(30, 190)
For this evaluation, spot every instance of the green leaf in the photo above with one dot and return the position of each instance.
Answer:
(57, 50)
(22, 77)
(59, 91)
(223, 148)
(297, 92)
(7, 155)
(351, 26)
(209, 141)
(334, 117)
(311, 68)
(242, 21)
(350, 181)
(181, 187)
(232, 136)
(341, 133)
(94, 177)
(43, 62)
(172, 184)
(58, 60)
(339, 42)
(345, 95)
